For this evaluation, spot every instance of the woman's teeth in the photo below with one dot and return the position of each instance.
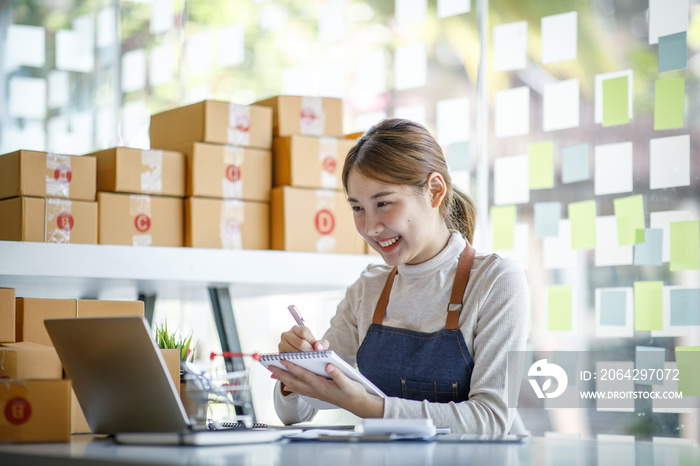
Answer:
(388, 242)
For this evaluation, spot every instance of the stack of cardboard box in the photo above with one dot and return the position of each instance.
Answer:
(47, 197)
(140, 196)
(309, 209)
(227, 147)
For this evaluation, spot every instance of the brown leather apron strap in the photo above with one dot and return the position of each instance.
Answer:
(464, 267)
(380, 308)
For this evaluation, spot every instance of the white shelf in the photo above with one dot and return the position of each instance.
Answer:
(77, 270)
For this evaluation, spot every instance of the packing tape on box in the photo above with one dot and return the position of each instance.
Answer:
(328, 157)
(58, 220)
(140, 210)
(152, 178)
(324, 220)
(312, 117)
(231, 223)
(231, 182)
(238, 130)
(58, 176)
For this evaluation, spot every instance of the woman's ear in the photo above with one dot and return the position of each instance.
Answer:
(437, 189)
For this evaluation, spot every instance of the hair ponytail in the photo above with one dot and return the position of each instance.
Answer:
(462, 214)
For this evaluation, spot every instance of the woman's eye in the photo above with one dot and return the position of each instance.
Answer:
(356, 208)
(382, 204)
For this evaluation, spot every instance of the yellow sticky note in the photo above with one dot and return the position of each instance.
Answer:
(629, 212)
(559, 308)
(616, 101)
(668, 104)
(648, 306)
(685, 245)
(687, 362)
(541, 165)
(503, 226)
(582, 216)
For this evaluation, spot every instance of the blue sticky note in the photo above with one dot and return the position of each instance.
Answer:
(685, 307)
(458, 156)
(575, 165)
(650, 358)
(673, 52)
(650, 251)
(613, 307)
(547, 216)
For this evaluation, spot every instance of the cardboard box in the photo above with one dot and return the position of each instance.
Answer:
(137, 171)
(42, 174)
(31, 313)
(25, 360)
(140, 220)
(172, 361)
(309, 161)
(228, 172)
(35, 410)
(212, 121)
(311, 220)
(78, 421)
(48, 220)
(7, 315)
(313, 116)
(227, 224)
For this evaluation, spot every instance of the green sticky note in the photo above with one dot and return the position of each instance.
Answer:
(668, 104)
(648, 306)
(685, 245)
(582, 217)
(616, 101)
(687, 362)
(541, 165)
(629, 212)
(559, 307)
(503, 226)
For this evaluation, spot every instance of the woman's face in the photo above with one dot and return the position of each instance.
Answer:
(399, 223)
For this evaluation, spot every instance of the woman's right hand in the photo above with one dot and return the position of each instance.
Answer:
(300, 338)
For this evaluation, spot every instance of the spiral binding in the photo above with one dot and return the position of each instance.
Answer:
(299, 355)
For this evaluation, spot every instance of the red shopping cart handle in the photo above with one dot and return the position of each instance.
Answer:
(228, 354)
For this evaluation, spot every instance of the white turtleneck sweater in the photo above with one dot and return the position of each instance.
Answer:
(493, 321)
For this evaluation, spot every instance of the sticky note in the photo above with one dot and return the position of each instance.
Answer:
(685, 306)
(541, 164)
(685, 245)
(560, 105)
(559, 309)
(688, 361)
(25, 46)
(613, 168)
(629, 212)
(667, 17)
(511, 184)
(650, 358)
(673, 52)
(510, 46)
(649, 252)
(608, 251)
(612, 384)
(459, 156)
(161, 64)
(512, 112)
(582, 216)
(133, 70)
(613, 307)
(547, 216)
(668, 103)
(410, 11)
(520, 252)
(502, 225)
(230, 40)
(615, 95)
(669, 162)
(162, 16)
(575, 163)
(599, 80)
(410, 66)
(59, 89)
(27, 97)
(370, 73)
(452, 119)
(557, 250)
(663, 220)
(648, 305)
(559, 37)
(446, 8)
(417, 113)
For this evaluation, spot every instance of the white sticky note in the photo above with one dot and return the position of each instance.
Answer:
(663, 221)
(410, 11)
(59, 90)
(70, 134)
(161, 64)
(599, 78)
(27, 97)
(297, 80)
(560, 102)
(106, 27)
(162, 16)
(25, 46)
(370, 73)
(613, 168)
(415, 113)
(447, 8)
(364, 121)
(510, 46)
(332, 79)
(667, 17)
(71, 54)
(199, 52)
(621, 322)
(134, 70)
(512, 112)
(452, 120)
(521, 246)
(557, 250)
(607, 250)
(668, 330)
(669, 162)
(135, 119)
(230, 45)
(410, 66)
(31, 136)
(332, 20)
(511, 183)
(105, 128)
(84, 35)
(559, 37)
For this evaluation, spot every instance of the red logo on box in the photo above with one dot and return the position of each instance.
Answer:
(65, 221)
(142, 222)
(329, 164)
(242, 124)
(325, 222)
(63, 174)
(233, 172)
(309, 113)
(18, 411)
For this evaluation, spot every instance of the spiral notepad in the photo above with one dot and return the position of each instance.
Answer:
(315, 361)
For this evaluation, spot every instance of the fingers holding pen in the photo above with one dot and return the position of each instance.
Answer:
(298, 338)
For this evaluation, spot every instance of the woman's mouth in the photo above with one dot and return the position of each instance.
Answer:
(389, 244)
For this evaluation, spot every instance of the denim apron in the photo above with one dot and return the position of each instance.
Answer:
(403, 363)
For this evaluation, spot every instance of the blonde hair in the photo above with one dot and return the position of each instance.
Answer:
(402, 152)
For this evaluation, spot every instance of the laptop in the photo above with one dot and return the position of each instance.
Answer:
(123, 386)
